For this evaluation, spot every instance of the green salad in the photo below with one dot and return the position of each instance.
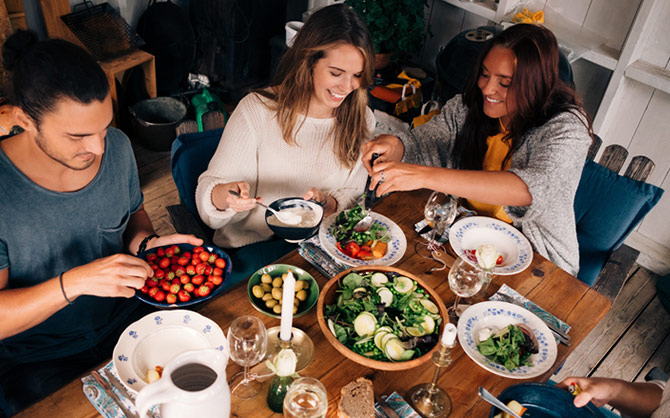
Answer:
(345, 221)
(511, 347)
(384, 316)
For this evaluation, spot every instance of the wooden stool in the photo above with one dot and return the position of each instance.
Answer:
(118, 65)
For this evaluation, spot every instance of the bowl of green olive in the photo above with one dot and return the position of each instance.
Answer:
(266, 288)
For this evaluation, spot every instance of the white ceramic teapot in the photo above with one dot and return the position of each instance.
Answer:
(193, 384)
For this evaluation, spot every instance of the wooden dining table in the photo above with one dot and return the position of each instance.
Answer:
(542, 282)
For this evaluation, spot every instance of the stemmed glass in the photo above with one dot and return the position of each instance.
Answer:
(465, 280)
(306, 398)
(440, 212)
(248, 343)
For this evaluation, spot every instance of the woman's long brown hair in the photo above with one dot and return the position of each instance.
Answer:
(538, 91)
(293, 87)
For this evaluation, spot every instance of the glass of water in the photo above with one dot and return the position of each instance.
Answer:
(465, 280)
(306, 398)
(248, 343)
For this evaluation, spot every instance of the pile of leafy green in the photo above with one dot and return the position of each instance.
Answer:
(509, 347)
(343, 230)
(357, 293)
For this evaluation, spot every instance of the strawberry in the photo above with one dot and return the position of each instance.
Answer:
(152, 291)
(151, 282)
(144, 289)
(203, 291)
(171, 298)
(179, 271)
(184, 296)
(182, 261)
(211, 259)
(175, 288)
(220, 263)
(166, 286)
(164, 263)
(160, 252)
(197, 250)
(197, 280)
(216, 271)
(176, 249)
(151, 257)
(170, 275)
(159, 296)
(200, 268)
(204, 256)
(169, 252)
(217, 280)
(189, 287)
(190, 270)
(159, 274)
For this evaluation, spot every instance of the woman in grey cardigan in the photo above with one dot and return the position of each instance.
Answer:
(513, 146)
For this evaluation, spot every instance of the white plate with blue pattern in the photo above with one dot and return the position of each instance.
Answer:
(158, 337)
(496, 316)
(471, 232)
(396, 248)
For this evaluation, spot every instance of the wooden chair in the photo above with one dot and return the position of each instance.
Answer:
(614, 274)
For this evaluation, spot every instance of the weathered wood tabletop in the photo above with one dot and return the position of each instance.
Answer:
(543, 282)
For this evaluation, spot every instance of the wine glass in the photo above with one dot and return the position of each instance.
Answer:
(465, 280)
(306, 398)
(440, 212)
(248, 343)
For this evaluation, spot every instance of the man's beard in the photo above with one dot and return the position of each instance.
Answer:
(42, 144)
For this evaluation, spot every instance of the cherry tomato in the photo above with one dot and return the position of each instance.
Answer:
(364, 255)
(499, 260)
(352, 248)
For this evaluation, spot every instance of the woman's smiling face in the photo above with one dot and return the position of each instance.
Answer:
(494, 81)
(335, 75)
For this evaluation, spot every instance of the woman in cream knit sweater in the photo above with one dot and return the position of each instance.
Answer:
(300, 137)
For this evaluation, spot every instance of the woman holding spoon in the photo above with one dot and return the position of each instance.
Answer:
(302, 136)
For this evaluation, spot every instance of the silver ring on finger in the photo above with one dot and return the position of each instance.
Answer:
(382, 177)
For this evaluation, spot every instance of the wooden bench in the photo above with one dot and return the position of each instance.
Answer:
(615, 272)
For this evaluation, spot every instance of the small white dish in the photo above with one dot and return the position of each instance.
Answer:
(158, 337)
(474, 231)
(496, 316)
(396, 248)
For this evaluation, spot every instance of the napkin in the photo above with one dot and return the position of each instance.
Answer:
(312, 251)
(103, 402)
(398, 404)
(541, 313)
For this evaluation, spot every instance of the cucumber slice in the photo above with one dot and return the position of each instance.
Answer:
(430, 306)
(385, 328)
(428, 325)
(385, 295)
(407, 355)
(365, 324)
(414, 332)
(403, 284)
(394, 350)
(378, 279)
(415, 305)
(386, 338)
(331, 327)
(378, 339)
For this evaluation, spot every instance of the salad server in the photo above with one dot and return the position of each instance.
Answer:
(488, 397)
(369, 197)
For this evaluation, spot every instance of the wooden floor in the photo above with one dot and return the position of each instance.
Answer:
(633, 337)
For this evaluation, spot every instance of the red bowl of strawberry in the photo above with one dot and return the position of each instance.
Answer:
(184, 275)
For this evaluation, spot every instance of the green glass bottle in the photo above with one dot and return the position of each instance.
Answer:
(277, 391)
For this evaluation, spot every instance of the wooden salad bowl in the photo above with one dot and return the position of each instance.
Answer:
(329, 295)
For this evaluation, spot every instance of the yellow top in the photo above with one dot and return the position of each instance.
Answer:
(495, 154)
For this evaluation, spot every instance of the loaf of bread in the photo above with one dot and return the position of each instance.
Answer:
(357, 400)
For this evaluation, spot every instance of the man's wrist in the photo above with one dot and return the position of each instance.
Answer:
(145, 242)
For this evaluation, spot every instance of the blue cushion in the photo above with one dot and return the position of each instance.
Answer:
(607, 209)
(190, 157)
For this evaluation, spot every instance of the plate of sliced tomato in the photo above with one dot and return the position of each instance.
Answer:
(365, 249)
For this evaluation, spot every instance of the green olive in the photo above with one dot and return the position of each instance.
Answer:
(283, 276)
(305, 285)
(299, 285)
(271, 303)
(295, 310)
(296, 301)
(267, 296)
(276, 309)
(301, 295)
(277, 293)
(257, 291)
(266, 287)
(266, 278)
(277, 282)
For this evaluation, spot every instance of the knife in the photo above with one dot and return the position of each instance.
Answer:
(385, 407)
(560, 335)
(109, 391)
(117, 384)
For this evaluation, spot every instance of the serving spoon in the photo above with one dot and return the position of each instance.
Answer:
(488, 397)
(287, 218)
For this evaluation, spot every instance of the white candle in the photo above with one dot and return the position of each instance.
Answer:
(287, 307)
(449, 335)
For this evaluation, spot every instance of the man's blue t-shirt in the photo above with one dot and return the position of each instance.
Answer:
(44, 233)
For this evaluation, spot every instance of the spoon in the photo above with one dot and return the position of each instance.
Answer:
(284, 217)
(488, 397)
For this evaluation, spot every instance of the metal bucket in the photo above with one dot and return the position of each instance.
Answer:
(154, 122)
